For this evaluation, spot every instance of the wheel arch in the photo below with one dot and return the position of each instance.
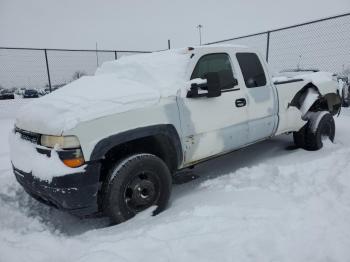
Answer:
(160, 140)
(300, 95)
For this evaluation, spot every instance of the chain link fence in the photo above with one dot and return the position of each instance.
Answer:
(48, 69)
(322, 44)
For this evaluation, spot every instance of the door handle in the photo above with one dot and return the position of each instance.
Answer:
(241, 102)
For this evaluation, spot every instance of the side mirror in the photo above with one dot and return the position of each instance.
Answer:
(213, 84)
(193, 92)
(209, 88)
(198, 88)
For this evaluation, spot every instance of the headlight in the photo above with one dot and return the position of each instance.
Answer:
(63, 142)
(68, 149)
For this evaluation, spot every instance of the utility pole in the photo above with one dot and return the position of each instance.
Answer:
(200, 33)
(96, 56)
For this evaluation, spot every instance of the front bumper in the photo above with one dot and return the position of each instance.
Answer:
(76, 193)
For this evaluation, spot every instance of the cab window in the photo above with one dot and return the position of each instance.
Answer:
(215, 63)
(252, 70)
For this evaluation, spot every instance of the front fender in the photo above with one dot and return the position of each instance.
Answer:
(167, 130)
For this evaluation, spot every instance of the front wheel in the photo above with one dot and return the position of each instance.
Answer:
(135, 184)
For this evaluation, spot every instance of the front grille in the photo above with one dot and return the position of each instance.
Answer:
(28, 136)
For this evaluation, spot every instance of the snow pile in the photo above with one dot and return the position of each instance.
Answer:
(42, 166)
(129, 83)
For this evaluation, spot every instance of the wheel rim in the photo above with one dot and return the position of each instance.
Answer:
(142, 191)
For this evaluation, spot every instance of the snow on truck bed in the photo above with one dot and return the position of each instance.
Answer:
(314, 77)
(128, 83)
(263, 203)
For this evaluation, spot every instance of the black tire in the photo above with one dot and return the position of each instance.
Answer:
(299, 137)
(135, 184)
(311, 137)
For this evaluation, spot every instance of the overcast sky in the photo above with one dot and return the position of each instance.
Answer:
(146, 25)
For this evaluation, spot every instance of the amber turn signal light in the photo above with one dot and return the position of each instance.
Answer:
(76, 162)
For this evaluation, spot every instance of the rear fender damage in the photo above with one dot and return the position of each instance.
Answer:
(307, 100)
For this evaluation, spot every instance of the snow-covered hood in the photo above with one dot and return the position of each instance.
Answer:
(83, 100)
(126, 84)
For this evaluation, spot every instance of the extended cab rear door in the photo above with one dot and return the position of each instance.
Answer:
(262, 104)
(214, 125)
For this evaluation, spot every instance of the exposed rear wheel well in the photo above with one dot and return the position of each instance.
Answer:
(301, 94)
(330, 102)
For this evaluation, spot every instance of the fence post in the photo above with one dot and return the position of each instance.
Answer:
(48, 70)
(115, 55)
(268, 46)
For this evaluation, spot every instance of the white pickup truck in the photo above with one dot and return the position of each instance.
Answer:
(110, 143)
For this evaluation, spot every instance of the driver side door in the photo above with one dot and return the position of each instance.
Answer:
(214, 125)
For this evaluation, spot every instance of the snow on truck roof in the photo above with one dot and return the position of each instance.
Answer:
(171, 62)
(214, 46)
(159, 69)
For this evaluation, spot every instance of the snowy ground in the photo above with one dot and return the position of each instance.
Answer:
(263, 203)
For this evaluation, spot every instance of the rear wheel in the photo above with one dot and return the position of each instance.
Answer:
(299, 137)
(319, 128)
(135, 184)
